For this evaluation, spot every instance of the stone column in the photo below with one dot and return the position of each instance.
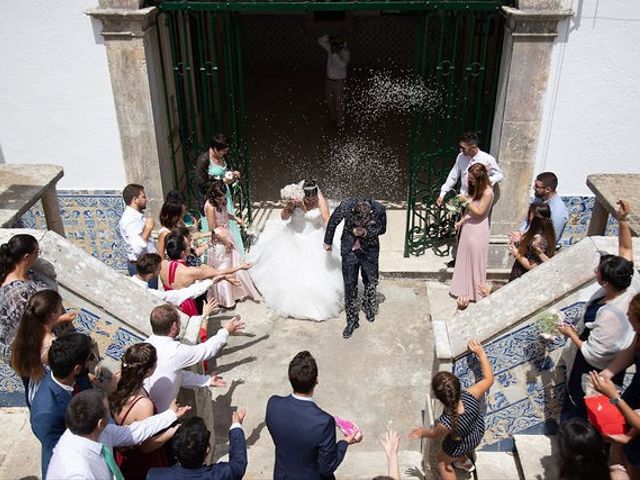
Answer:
(134, 64)
(529, 37)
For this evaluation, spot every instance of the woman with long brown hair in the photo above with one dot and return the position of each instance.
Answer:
(225, 253)
(34, 336)
(131, 403)
(537, 245)
(462, 423)
(470, 271)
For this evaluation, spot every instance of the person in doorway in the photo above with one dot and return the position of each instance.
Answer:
(364, 222)
(470, 271)
(338, 57)
(469, 155)
(135, 230)
(544, 191)
(304, 435)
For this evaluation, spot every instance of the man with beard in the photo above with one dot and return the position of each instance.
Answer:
(135, 229)
(544, 191)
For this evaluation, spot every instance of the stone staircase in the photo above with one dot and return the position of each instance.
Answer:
(524, 403)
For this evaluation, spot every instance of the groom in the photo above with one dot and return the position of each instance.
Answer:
(364, 222)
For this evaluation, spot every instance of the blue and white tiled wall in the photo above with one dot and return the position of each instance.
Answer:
(112, 339)
(529, 387)
(91, 222)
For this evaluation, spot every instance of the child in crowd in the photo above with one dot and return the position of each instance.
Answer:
(462, 423)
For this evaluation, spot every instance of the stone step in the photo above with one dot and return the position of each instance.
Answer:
(497, 466)
(538, 456)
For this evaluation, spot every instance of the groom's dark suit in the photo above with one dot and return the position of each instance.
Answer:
(364, 258)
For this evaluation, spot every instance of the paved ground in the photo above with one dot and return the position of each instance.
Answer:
(378, 378)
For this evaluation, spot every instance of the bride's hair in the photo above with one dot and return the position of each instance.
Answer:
(216, 191)
(310, 188)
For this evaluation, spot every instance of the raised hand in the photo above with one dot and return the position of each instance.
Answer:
(235, 325)
(476, 347)
(238, 415)
(246, 266)
(232, 280)
(391, 442)
(623, 210)
(217, 381)
(355, 437)
(417, 432)
(210, 307)
(68, 316)
(181, 410)
(603, 384)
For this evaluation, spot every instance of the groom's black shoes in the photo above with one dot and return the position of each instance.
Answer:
(348, 330)
(371, 318)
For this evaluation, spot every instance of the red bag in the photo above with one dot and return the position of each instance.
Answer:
(604, 416)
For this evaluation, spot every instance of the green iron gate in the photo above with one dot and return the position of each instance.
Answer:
(457, 56)
(458, 59)
(202, 65)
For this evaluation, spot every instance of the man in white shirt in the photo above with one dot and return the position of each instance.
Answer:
(135, 230)
(338, 57)
(148, 269)
(469, 155)
(85, 448)
(544, 191)
(174, 357)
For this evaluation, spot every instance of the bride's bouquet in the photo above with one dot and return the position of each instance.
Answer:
(292, 192)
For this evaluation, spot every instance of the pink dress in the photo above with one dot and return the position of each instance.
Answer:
(471, 260)
(219, 258)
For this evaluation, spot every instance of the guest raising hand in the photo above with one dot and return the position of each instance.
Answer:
(462, 423)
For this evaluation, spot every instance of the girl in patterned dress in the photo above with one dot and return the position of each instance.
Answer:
(461, 426)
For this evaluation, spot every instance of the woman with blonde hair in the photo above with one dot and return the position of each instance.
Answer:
(131, 403)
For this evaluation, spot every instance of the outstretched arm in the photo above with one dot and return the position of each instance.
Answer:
(330, 453)
(483, 386)
(625, 245)
(336, 217)
(323, 205)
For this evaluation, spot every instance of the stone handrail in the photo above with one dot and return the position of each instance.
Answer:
(90, 279)
(570, 270)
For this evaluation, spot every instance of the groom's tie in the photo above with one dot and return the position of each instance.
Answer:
(111, 462)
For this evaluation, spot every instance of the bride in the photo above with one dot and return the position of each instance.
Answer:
(296, 276)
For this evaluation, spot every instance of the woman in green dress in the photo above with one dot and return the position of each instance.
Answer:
(212, 166)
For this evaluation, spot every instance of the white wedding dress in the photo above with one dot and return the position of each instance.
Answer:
(295, 275)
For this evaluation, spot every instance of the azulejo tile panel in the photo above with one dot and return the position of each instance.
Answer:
(580, 209)
(91, 222)
(112, 341)
(529, 387)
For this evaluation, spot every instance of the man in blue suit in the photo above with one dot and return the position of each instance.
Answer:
(70, 356)
(191, 446)
(303, 433)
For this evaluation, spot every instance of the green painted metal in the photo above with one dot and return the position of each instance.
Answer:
(205, 59)
(324, 5)
(457, 58)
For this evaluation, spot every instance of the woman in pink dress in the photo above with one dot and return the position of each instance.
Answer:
(473, 247)
(224, 254)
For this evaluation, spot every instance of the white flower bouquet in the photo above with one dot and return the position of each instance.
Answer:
(292, 192)
(548, 323)
(455, 205)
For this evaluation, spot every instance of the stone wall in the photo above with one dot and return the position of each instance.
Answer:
(530, 375)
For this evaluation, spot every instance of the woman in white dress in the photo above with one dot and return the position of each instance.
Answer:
(295, 275)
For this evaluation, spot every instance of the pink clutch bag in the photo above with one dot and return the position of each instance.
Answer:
(347, 427)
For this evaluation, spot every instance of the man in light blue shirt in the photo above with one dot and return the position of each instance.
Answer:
(544, 191)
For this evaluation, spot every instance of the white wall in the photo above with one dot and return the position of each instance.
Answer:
(56, 103)
(592, 107)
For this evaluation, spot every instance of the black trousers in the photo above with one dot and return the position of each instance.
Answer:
(365, 262)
